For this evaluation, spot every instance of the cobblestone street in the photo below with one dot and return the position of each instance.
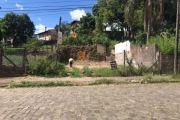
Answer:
(113, 102)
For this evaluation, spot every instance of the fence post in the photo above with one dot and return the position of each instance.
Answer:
(124, 58)
(1, 56)
(160, 63)
(24, 59)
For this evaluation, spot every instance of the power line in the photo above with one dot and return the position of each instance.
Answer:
(47, 9)
(51, 2)
(54, 6)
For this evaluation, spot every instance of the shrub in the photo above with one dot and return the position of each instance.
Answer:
(44, 67)
(112, 44)
(165, 45)
(129, 71)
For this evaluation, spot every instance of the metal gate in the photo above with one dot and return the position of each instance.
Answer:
(12, 63)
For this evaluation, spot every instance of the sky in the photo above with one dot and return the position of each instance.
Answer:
(46, 13)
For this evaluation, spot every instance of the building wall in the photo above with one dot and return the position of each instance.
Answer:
(146, 55)
(101, 49)
(45, 38)
(119, 48)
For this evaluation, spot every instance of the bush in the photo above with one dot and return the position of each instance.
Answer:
(44, 67)
(165, 45)
(112, 44)
(129, 71)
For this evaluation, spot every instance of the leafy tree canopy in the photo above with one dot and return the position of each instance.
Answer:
(64, 28)
(87, 23)
(14, 24)
(33, 44)
(110, 11)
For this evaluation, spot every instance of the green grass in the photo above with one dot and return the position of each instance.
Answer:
(76, 73)
(87, 72)
(46, 47)
(159, 79)
(105, 72)
(40, 84)
(102, 81)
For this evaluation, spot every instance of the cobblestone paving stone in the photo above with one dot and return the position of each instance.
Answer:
(121, 102)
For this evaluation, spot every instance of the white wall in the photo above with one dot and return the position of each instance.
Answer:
(119, 48)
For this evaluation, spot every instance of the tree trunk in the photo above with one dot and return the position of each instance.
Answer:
(149, 19)
(145, 16)
(161, 5)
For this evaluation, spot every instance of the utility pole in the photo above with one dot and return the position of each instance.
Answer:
(59, 24)
(176, 41)
(59, 39)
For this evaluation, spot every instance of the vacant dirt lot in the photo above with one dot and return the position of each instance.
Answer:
(91, 64)
(78, 64)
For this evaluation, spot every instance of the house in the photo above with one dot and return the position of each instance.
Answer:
(47, 35)
(74, 23)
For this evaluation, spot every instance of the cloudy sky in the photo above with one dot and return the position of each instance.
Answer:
(46, 13)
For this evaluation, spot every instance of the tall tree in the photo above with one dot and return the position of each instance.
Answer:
(17, 25)
(110, 13)
(87, 23)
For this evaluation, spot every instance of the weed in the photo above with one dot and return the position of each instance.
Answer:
(105, 72)
(175, 76)
(44, 67)
(87, 72)
(75, 73)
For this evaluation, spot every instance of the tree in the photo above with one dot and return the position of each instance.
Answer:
(109, 13)
(87, 24)
(134, 14)
(64, 28)
(33, 44)
(17, 25)
(0, 35)
(95, 10)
